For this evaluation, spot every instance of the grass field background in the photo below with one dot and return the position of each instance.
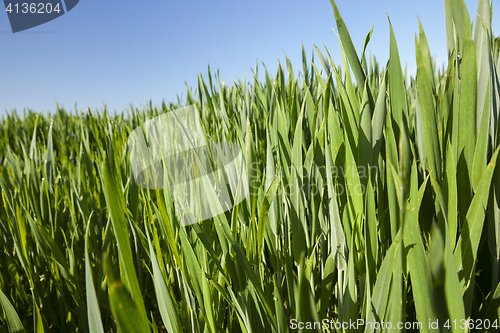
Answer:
(373, 196)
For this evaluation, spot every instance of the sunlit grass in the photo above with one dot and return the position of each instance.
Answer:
(377, 201)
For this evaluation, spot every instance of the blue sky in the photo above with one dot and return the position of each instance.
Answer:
(122, 52)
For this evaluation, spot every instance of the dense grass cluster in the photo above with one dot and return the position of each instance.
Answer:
(371, 197)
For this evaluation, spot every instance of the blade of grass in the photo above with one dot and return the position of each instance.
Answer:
(119, 222)
(94, 314)
(13, 322)
(468, 242)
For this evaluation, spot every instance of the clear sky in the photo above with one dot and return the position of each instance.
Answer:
(122, 52)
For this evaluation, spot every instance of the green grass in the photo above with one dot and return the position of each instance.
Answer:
(416, 239)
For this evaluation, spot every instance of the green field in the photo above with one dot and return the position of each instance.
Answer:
(374, 196)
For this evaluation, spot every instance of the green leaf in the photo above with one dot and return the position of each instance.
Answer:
(458, 20)
(350, 304)
(451, 191)
(348, 47)
(376, 310)
(94, 314)
(355, 188)
(266, 205)
(13, 322)
(426, 55)
(468, 242)
(125, 310)
(482, 31)
(378, 119)
(391, 161)
(396, 302)
(168, 226)
(480, 153)
(397, 91)
(427, 104)
(37, 318)
(365, 134)
(371, 237)
(166, 303)
(114, 202)
(337, 236)
(306, 311)
(419, 272)
(454, 300)
(467, 113)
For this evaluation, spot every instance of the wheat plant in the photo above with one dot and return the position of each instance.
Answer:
(374, 198)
